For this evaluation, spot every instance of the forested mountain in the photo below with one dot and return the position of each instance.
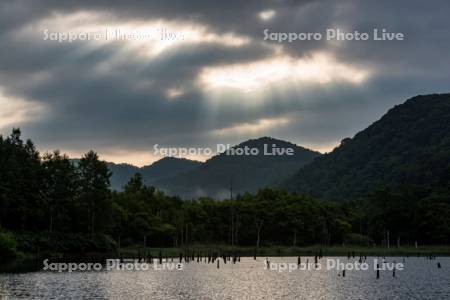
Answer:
(163, 168)
(121, 173)
(188, 178)
(408, 146)
(167, 167)
(246, 173)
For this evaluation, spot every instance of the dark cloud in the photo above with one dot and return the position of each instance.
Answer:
(108, 97)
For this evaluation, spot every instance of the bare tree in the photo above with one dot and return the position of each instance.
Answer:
(259, 224)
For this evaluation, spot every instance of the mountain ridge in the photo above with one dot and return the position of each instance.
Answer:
(246, 173)
(164, 167)
(409, 145)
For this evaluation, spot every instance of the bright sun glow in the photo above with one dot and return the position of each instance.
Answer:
(251, 128)
(319, 68)
(266, 15)
(147, 38)
(174, 92)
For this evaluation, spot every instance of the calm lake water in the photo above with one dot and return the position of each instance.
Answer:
(420, 279)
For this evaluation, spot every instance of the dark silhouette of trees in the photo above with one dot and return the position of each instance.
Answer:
(53, 203)
(94, 192)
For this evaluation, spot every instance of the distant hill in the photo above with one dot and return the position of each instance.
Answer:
(165, 167)
(121, 174)
(247, 172)
(410, 145)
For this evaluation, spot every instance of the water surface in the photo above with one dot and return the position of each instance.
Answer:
(421, 279)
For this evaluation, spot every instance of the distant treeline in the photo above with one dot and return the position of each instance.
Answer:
(48, 203)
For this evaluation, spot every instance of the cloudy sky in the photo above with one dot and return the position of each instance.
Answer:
(212, 78)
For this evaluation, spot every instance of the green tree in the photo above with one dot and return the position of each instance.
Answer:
(59, 189)
(94, 192)
(20, 171)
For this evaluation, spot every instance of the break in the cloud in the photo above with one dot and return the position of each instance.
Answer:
(218, 81)
(14, 110)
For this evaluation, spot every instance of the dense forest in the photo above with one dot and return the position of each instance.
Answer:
(49, 203)
(409, 145)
